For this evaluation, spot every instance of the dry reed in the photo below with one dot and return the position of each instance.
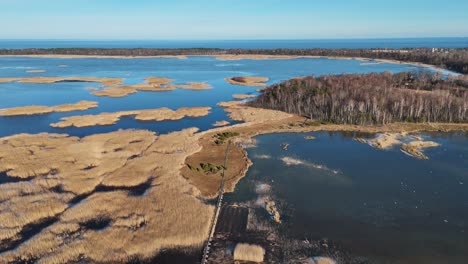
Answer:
(248, 252)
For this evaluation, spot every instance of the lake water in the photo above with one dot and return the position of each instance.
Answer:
(194, 69)
(461, 42)
(380, 204)
(383, 205)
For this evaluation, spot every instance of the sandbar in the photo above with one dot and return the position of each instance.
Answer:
(106, 119)
(35, 71)
(415, 148)
(38, 110)
(221, 123)
(45, 80)
(64, 56)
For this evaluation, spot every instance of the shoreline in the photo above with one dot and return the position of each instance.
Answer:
(264, 121)
(229, 57)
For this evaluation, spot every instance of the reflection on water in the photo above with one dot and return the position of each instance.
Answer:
(383, 205)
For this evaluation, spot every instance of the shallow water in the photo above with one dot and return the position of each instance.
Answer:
(194, 69)
(383, 205)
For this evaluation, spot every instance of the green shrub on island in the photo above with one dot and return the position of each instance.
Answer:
(220, 138)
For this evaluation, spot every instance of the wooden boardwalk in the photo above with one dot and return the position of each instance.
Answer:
(214, 220)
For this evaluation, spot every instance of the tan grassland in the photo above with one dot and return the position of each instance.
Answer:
(166, 215)
(242, 96)
(38, 110)
(35, 71)
(159, 114)
(254, 81)
(103, 81)
(152, 84)
(248, 252)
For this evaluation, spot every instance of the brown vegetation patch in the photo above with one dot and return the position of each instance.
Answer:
(152, 84)
(248, 252)
(107, 226)
(248, 81)
(38, 110)
(105, 119)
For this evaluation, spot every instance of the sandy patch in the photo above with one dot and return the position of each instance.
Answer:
(35, 71)
(254, 81)
(416, 148)
(105, 119)
(242, 96)
(239, 112)
(166, 214)
(38, 110)
(386, 141)
(221, 123)
(91, 89)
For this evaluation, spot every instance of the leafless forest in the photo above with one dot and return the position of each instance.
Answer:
(371, 98)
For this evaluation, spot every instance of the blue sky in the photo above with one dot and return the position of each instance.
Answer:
(231, 19)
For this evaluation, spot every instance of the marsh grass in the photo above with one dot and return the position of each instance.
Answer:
(248, 252)
(108, 225)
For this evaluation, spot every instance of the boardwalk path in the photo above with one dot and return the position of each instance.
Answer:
(214, 221)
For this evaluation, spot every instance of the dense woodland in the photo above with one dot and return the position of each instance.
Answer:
(371, 98)
(455, 59)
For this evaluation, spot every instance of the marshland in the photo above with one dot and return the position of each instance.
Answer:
(120, 160)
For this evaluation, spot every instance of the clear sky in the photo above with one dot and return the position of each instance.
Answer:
(231, 19)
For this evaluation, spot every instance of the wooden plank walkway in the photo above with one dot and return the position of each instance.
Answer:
(214, 220)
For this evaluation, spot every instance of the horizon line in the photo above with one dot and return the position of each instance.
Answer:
(236, 39)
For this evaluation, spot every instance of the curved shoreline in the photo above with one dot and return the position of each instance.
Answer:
(263, 121)
(229, 57)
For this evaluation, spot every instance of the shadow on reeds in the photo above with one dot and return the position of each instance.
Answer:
(96, 224)
(138, 190)
(28, 232)
(4, 178)
(182, 256)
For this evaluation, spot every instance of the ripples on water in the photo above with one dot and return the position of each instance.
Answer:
(382, 204)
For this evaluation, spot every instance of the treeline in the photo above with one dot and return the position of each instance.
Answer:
(454, 59)
(373, 98)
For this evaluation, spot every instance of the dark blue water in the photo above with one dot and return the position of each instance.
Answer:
(383, 205)
(246, 44)
(194, 69)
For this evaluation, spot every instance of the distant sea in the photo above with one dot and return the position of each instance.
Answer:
(245, 44)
